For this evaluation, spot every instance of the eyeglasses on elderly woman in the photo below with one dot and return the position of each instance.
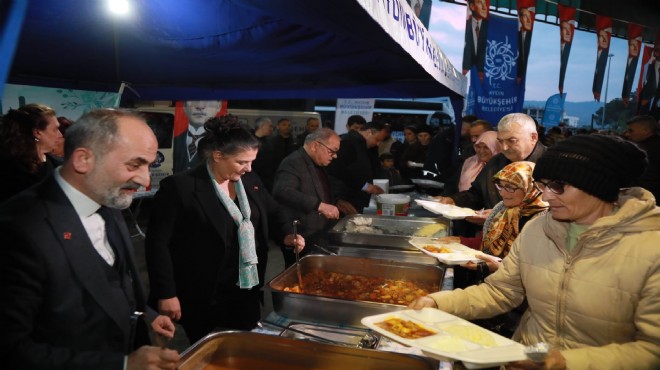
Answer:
(506, 187)
(555, 186)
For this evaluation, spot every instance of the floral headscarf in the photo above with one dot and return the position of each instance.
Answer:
(503, 227)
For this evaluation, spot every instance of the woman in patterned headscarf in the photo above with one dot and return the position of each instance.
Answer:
(521, 201)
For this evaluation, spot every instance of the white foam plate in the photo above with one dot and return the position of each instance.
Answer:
(448, 345)
(461, 254)
(449, 211)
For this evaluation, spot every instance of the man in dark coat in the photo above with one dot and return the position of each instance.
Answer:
(643, 131)
(71, 294)
(351, 175)
(519, 139)
(302, 188)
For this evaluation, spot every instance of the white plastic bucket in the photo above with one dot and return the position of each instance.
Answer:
(392, 204)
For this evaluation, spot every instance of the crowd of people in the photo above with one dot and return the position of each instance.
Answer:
(567, 222)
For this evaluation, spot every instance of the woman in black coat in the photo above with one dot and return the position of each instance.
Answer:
(207, 241)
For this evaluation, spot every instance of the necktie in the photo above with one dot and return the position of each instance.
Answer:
(113, 234)
(192, 147)
(476, 29)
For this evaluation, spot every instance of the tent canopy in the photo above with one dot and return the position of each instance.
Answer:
(234, 49)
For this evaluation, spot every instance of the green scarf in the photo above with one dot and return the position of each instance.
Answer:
(247, 258)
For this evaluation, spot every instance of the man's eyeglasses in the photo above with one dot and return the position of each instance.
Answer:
(330, 151)
(508, 188)
(555, 186)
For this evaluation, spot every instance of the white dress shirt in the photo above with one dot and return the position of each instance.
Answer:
(93, 223)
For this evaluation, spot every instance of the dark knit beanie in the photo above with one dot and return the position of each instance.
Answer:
(599, 165)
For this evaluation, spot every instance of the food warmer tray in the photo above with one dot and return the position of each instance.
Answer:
(397, 230)
(304, 307)
(384, 254)
(248, 351)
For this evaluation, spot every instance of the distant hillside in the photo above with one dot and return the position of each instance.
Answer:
(583, 110)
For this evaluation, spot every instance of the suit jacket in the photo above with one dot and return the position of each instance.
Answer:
(565, 53)
(599, 73)
(59, 309)
(650, 88)
(186, 245)
(351, 170)
(299, 189)
(181, 161)
(274, 151)
(629, 77)
(471, 58)
(523, 53)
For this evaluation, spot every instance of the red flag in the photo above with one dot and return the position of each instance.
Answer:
(566, 31)
(634, 47)
(604, 34)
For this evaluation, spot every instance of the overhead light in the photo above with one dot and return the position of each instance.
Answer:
(118, 6)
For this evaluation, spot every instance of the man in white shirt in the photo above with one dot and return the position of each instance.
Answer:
(71, 295)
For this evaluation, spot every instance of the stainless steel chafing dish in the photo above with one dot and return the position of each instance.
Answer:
(389, 232)
(248, 351)
(409, 256)
(300, 306)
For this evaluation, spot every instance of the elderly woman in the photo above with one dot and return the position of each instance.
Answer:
(207, 242)
(27, 136)
(589, 268)
(521, 201)
(485, 147)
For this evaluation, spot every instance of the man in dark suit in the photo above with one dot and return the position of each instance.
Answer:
(567, 30)
(631, 68)
(601, 62)
(351, 175)
(71, 295)
(275, 149)
(650, 92)
(526, 22)
(476, 36)
(185, 145)
(302, 187)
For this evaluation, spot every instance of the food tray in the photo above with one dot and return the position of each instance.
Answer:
(394, 231)
(460, 254)
(311, 308)
(412, 256)
(248, 351)
(448, 211)
(453, 338)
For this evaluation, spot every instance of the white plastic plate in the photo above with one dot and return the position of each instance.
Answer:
(449, 211)
(455, 338)
(461, 254)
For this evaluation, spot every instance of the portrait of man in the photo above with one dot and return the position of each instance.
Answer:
(525, 26)
(566, 31)
(189, 130)
(476, 36)
(631, 67)
(604, 28)
(650, 95)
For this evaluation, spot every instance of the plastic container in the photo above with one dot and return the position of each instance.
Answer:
(392, 204)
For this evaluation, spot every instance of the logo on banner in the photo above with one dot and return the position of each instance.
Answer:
(500, 60)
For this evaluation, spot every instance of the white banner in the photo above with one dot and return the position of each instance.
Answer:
(399, 21)
(350, 107)
(66, 102)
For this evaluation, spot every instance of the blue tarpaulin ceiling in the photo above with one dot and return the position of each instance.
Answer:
(201, 49)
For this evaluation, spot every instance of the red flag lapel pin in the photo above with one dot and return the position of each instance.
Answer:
(256, 188)
(67, 235)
